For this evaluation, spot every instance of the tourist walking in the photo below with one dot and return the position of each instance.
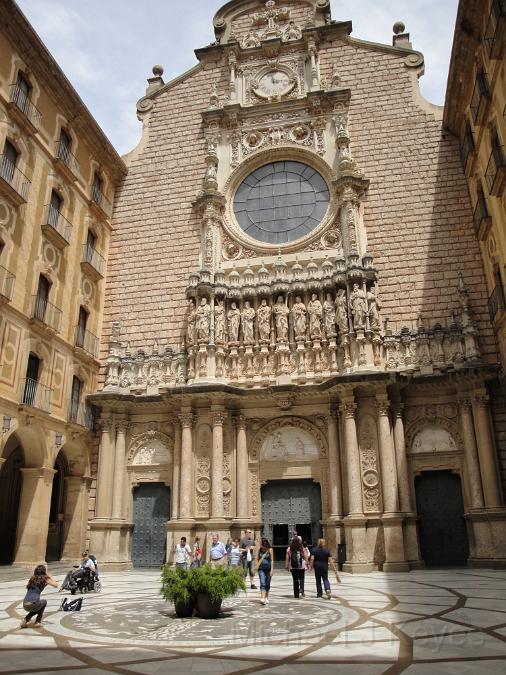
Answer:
(234, 556)
(218, 552)
(197, 553)
(182, 554)
(32, 602)
(296, 562)
(248, 546)
(320, 559)
(265, 569)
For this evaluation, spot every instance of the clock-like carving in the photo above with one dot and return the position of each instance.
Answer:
(274, 83)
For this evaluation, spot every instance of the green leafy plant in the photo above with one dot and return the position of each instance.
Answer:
(217, 582)
(181, 586)
(176, 585)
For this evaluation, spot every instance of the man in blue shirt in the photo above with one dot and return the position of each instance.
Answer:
(218, 552)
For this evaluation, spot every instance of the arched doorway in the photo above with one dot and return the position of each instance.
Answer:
(442, 527)
(290, 506)
(56, 530)
(10, 493)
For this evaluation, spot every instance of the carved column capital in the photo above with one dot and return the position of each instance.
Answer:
(481, 399)
(218, 418)
(186, 419)
(382, 405)
(465, 404)
(122, 426)
(348, 409)
(240, 422)
(105, 424)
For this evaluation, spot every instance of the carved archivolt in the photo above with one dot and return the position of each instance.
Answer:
(444, 432)
(151, 448)
(293, 423)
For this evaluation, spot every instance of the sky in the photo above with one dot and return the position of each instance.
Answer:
(107, 48)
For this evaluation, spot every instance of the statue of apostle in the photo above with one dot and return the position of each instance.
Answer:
(315, 311)
(234, 319)
(299, 319)
(219, 323)
(281, 311)
(329, 320)
(203, 323)
(248, 323)
(191, 317)
(358, 307)
(264, 321)
(342, 312)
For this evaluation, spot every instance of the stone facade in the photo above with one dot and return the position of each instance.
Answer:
(356, 353)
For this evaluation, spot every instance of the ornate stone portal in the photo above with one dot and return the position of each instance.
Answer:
(289, 365)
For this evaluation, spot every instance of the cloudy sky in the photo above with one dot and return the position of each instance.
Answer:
(108, 47)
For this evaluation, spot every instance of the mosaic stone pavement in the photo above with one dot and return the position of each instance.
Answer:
(422, 623)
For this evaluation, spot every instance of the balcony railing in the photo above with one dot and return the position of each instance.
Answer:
(67, 159)
(22, 102)
(480, 98)
(57, 227)
(87, 341)
(15, 180)
(6, 283)
(481, 216)
(496, 303)
(99, 199)
(495, 174)
(81, 414)
(93, 262)
(46, 313)
(494, 33)
(36, 395)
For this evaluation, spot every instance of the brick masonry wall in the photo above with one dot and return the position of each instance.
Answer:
(418, 215)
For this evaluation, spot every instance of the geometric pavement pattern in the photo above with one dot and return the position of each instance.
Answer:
(427, 622)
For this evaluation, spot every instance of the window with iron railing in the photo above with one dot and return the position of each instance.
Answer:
(21, 97)
(496, 168)
(496, 302)
(467, 148)
(480, 212)
(480, 93)
(495, 23)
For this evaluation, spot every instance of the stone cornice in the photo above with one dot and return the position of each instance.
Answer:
(31, 49)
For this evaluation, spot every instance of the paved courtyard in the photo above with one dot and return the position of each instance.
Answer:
(430, 622)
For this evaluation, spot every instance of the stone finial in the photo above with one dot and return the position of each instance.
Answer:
(155, 82)
(401, 38)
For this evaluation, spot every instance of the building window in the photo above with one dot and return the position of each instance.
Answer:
(75, 399)
(21, 93)
(97, 188)
(480, 216)
(42, 298)
(480, 97)
(494, 28)
(496, 304)
(81, 327)
(467, 149)
(64, 147)
(495, 174)
(91, 241)
(9, 161)
(54, 209)
(32, 380)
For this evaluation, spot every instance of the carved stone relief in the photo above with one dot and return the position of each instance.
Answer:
(433, 439)
(368, 443)
(151, 448)
(289, 439)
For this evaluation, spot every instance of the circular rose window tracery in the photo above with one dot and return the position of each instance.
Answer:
(281, 202)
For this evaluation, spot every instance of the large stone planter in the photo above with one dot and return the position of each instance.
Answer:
(184, 610)
(207, 608)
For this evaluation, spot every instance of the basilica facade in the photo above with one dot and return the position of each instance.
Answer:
(295, 335)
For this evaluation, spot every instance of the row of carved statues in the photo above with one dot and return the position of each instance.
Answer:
(313, 320)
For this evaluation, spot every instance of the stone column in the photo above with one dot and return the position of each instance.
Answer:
(486, 452)
(176, 470)
(335, 483)
(401, 459)
(387, 456)
(218, 419)
(242, 487)
(186, 493)
(33, 519)
(76, 516)
(103, 506)
(392, 519)
(119, 471)
(348, 410)
(471, 454)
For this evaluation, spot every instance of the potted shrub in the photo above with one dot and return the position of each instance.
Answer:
(212, 585)
(177, 588)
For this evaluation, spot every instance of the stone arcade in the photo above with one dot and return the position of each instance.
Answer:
(264, 370)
